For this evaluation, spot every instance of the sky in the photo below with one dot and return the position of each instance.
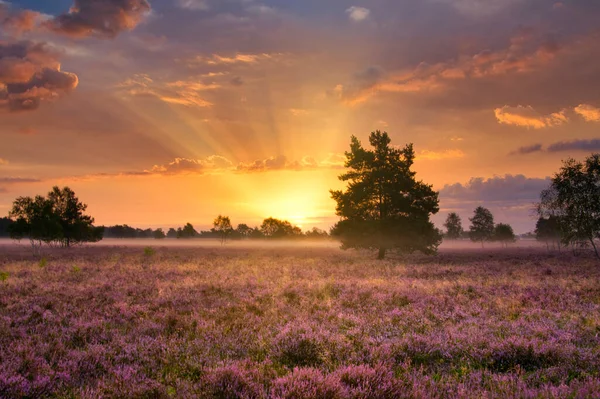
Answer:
(162, 112)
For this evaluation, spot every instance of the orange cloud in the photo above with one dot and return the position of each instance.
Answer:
(31, 74)
(588, 112)
(439, 155)
(528, 117)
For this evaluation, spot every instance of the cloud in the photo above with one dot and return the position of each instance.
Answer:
(196, 5)
(3, 161)
(575, 145)
(21, 21)
(237, 58)
(528, 117)
(101, 18)
(181, 92)
(30, 74)
(530, 149)
(358, 14)
(439, 155)
(496, 189)
(213, 163)
(437, 77)
(479, 8)
(588, 112)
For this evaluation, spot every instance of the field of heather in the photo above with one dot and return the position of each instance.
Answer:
(297, 322)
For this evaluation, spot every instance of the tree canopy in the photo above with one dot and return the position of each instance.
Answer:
(504, 234)
(58, 218)
(570, 207)
(453, 225)
(384, 207)
(482, 225)
(222, 226)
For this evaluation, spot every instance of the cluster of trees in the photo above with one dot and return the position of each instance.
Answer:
(222, 229)
(56, 219)
(569, 210)
(482, 229)
(4, 223)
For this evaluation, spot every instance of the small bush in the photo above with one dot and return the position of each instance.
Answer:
(149, 251)
(4, 276)
(43, 262)
(232, 382)
(307, 383)
(300, 346)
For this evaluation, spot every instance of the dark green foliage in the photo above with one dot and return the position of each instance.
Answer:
(58, 218)
(504, 234)
(549, 231)
(482, 225)
(275, 228)
(573, 200)
(159, 234)
(4, 223)
(453, 225)
(384, 207)
(187, 231)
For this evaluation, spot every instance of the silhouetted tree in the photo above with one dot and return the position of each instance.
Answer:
(316, 233)
(172, 233)
(482, 225)
(453, 225)
(275, 228)
(549, 231)
(188, 231)
(4, 223)
(384, 206)
(504, 234)
(58, 218)
(575, 193)
(222, 226)
(159, 234)
(243, 231)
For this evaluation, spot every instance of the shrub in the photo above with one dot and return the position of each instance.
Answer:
(149, 251)
(232, 382)
(301, 346)
(306, 383)
(366, 382)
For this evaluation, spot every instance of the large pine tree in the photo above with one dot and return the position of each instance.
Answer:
(384, 207)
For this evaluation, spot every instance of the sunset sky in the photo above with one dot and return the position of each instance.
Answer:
(163, 112)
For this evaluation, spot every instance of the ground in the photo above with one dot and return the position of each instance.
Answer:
(297, 321)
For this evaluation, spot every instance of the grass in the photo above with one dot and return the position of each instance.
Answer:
(291, 322)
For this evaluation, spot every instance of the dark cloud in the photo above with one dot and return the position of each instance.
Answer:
(496, 189)
(575, 145)
(237, 81)
(102, 18)
(30, 74)
(529, 149)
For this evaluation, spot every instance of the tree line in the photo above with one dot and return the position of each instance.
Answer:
(384, 208)
(222, 229)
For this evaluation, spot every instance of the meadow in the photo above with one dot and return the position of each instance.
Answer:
(297, 321)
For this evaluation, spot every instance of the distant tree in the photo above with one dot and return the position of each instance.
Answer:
(76, 227)
(384, 207)
(159, 234)
(549, 230)
(243, 231)
(504, 234)
(453, 225)
(188, 231)
(222, 226)
(275, 228)
(4, 223)
(34, 218)
(316, 233)
(172, 233)
(482, 225)
(256, 234)
(574, 200)
(56, 219)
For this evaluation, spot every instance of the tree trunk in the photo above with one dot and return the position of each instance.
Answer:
(381, 254)
(595, 248)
